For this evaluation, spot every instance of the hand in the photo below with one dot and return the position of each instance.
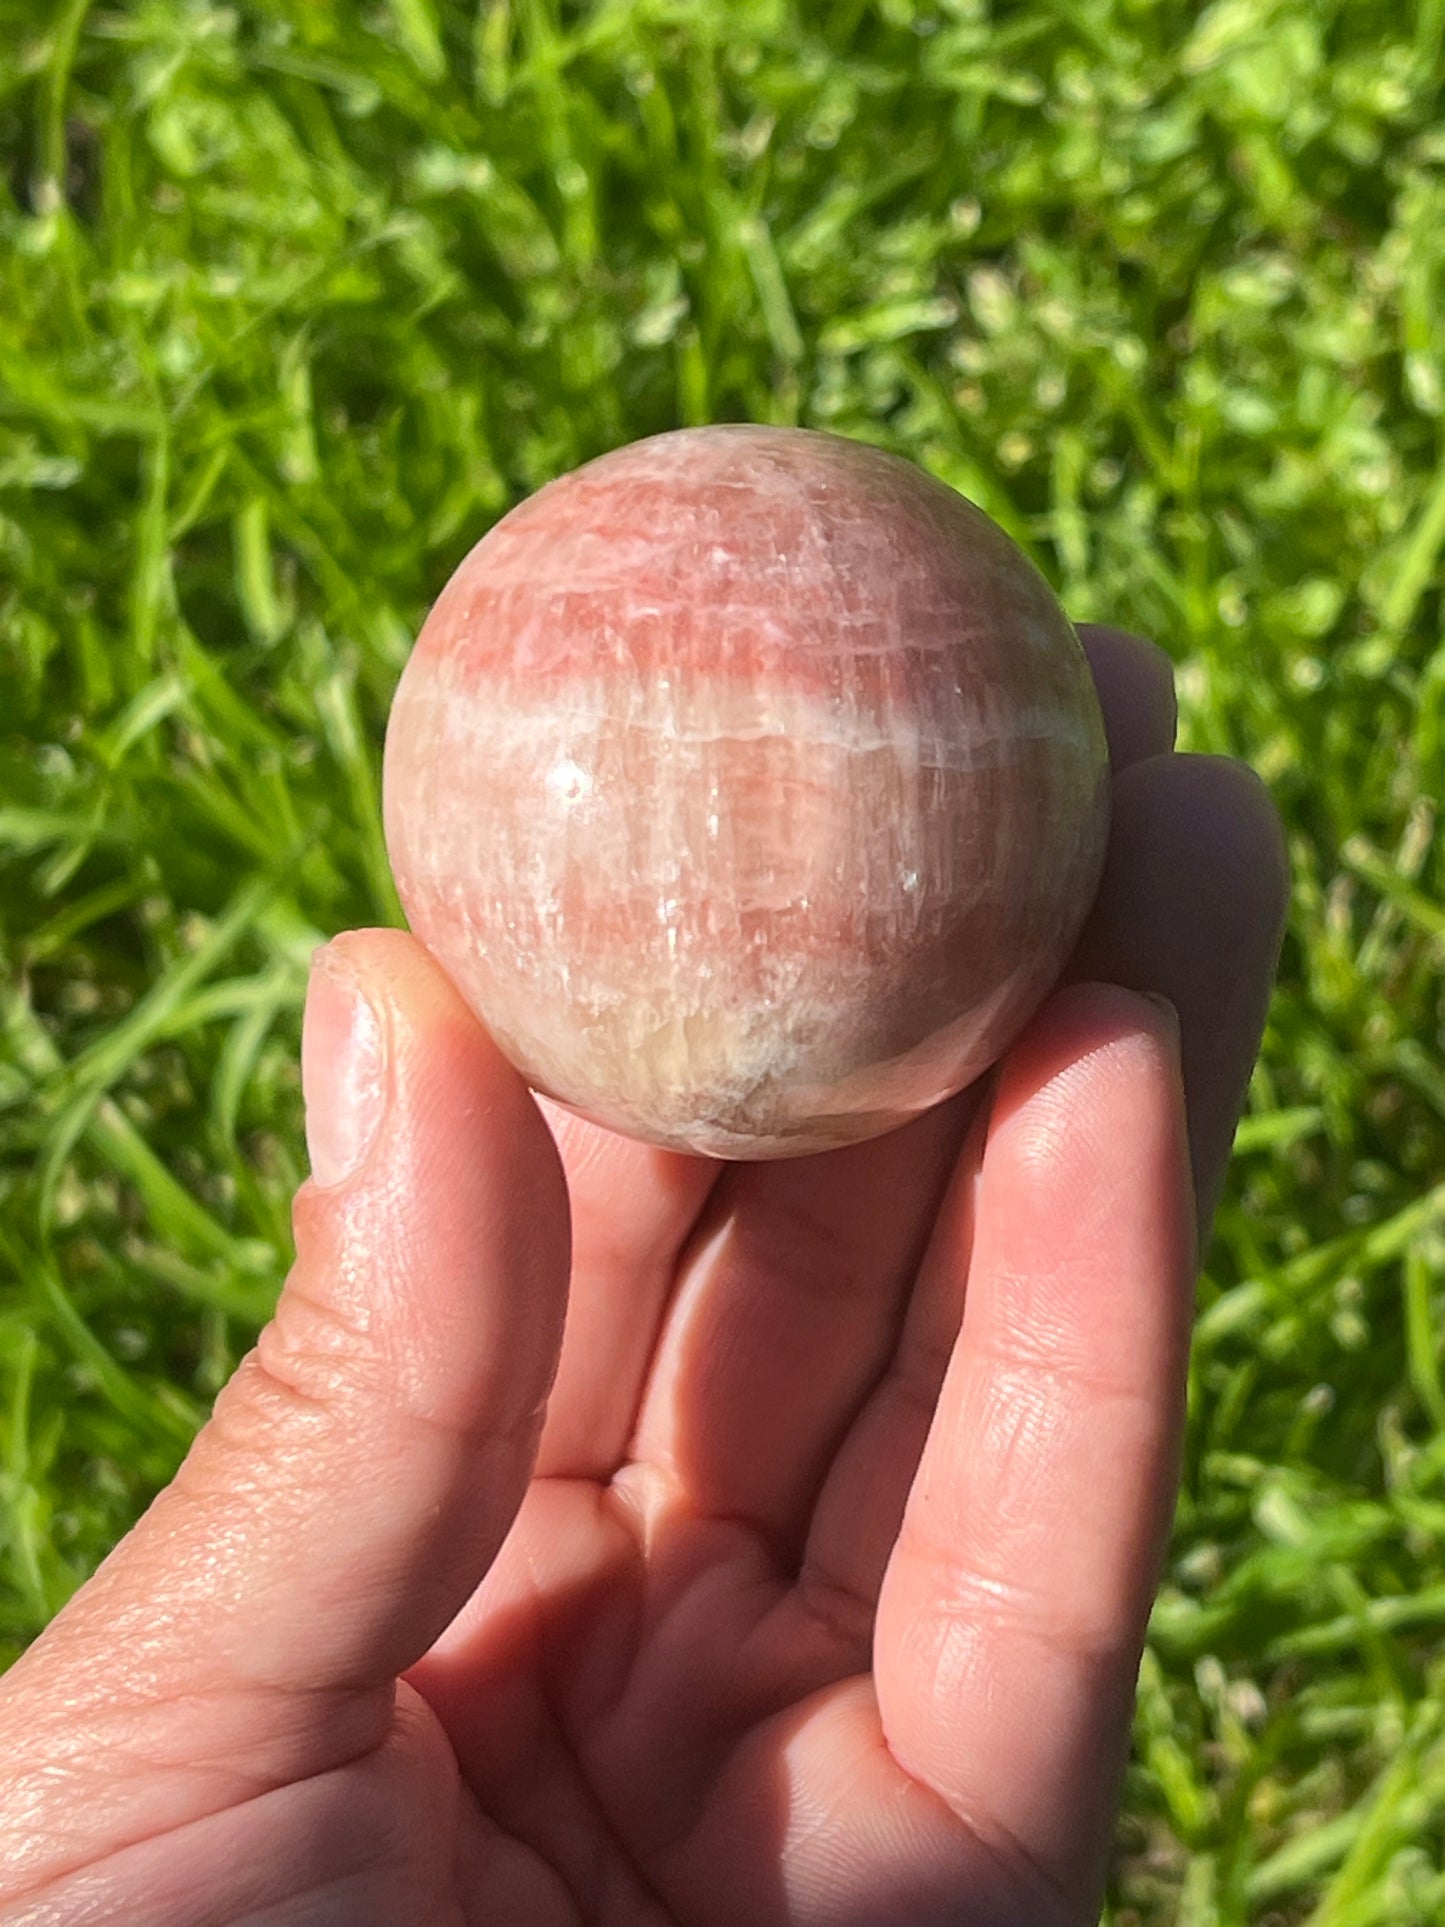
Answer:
(813, 1590)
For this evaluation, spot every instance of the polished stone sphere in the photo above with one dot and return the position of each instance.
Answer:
(751, 786)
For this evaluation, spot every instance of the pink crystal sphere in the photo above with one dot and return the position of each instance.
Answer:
(751, 786)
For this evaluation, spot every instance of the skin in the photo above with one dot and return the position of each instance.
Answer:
(791, 1566)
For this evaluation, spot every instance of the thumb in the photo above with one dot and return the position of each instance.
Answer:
(363, 1465)
(393, 1406)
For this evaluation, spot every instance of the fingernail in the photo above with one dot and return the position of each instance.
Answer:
(1171, 1013)
(343, 1070)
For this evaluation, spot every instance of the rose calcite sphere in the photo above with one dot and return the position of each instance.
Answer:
(751, 786)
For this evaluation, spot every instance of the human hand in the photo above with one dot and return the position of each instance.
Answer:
(813, 1588)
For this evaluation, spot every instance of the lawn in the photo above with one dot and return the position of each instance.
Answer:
(296, 299)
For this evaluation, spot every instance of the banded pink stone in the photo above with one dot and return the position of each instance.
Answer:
(751, 786)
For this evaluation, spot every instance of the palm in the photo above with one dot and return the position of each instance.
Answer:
(665, 1690)
(741, 1709)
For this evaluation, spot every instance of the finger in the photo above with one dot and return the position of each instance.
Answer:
(787, 1308)
(860, 1507)
(1135, 684)
(365, 1461)
(1013, 1611)
(633, 1210)
(1192, 904)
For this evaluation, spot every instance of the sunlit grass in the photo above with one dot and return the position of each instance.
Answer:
(295, 300)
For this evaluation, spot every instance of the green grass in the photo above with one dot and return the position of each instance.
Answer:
(298, 298)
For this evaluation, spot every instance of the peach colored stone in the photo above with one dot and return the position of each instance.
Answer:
(751, 786)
